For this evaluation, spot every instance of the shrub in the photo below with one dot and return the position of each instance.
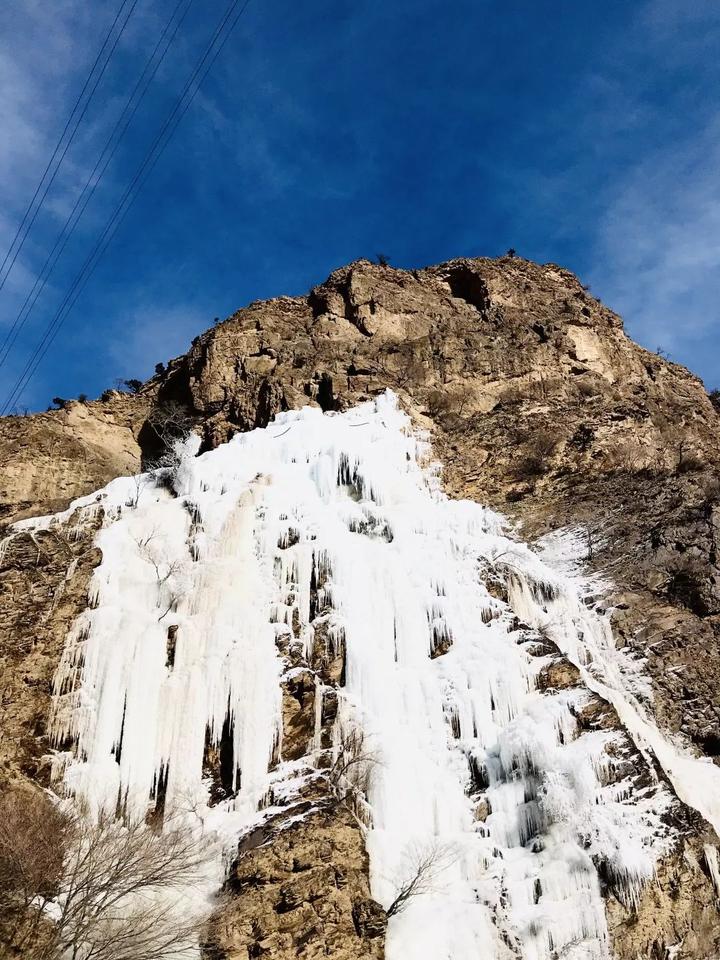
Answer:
(536, 459)
(628, 456)
(438, 402)
(583, 437)
(512, 394)
(710, 487)
(690, 463)
(688, 460)
(587, 388)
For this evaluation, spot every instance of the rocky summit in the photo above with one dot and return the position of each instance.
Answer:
(403, 596)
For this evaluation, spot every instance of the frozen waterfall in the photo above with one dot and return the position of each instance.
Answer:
(446, 623)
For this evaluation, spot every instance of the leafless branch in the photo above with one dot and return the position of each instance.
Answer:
(351, 772)
(421, 873)
(96, 889)
(170, 422)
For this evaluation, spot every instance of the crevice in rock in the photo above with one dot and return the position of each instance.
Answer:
(465, 284)
(268, 403)
(325, 395)
(219, 764)
(170, 646)
(159, 791)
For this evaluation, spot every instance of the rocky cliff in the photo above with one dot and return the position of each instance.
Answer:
(537, 405)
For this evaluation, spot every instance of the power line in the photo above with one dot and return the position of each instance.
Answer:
(67, 145)
(144, 80)
(161, 141)
(62, 135)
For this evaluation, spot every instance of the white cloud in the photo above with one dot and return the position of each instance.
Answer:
(658, 251)
(37, 78)
(40, 79)
(151, 334)
(656, 256)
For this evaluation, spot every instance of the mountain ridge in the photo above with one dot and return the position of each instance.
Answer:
(536, 403)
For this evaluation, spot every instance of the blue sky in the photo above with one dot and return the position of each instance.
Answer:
(582, 133)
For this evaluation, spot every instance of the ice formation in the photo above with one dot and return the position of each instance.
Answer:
(199, 586)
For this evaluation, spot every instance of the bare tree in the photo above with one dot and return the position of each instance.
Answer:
(170, 422)
(170, 575)
(415, 370)
(421, 873)
(351, 772)
(103, 889)
(172, 425)
(140, 482)
(464, 395)
(33, 836)
(164, 569)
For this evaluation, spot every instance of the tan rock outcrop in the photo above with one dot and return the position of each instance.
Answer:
(303, 891)
(44, 578)
(51, 458)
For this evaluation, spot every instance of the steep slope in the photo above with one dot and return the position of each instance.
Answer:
(539, 406)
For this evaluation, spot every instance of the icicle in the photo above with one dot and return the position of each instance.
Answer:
(4, 544)
(713, 862)
(316, 743)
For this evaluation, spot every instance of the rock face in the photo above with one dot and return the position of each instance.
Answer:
(303, 892)
(51, 458)
(43, 587)
(538, 405)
